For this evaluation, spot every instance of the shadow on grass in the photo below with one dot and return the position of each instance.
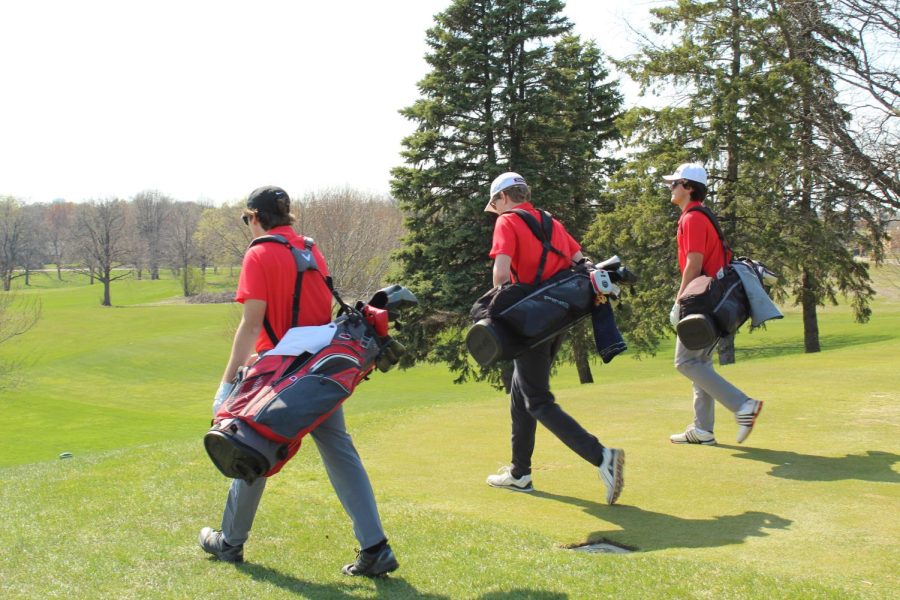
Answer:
(871, 466)
(645, 530)
(827, 342)
(520, 593)
(387, 587)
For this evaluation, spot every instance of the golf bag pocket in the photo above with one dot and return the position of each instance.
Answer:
(697, 331)
(551, 307)
(499, 298)
(239, 452)
(733, 308)
(711, 308)
(490, 341)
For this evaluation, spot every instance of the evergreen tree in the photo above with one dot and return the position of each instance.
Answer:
(509, 89)
(756, 102)
(720, 113)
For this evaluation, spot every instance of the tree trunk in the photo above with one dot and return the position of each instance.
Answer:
(58, 272)
(583, 367)
(726, 350)
(810, 319)
(106, 298)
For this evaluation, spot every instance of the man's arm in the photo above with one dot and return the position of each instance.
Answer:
(692, 268)
(245, 337)
(501, 273)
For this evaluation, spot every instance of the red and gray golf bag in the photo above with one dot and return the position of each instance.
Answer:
(280, 398)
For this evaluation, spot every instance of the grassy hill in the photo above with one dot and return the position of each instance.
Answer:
(806, 508)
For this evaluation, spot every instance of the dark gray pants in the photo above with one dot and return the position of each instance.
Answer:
(531, 402)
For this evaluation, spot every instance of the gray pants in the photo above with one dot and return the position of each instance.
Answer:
(709, 386)
(348, 478)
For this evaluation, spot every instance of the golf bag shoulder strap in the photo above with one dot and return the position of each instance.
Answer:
(544, 233)
(305, 261)
(726, 249)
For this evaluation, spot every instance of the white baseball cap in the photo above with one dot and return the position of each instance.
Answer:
(503, 181)
(689, 171)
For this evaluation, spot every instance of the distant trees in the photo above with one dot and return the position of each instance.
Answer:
(13, 237)
(59, 218)
(102, 246)
(357, 233)
(151, 210)
(181, 236)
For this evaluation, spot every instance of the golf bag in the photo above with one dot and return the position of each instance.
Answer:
(283, 396)
(514, 317)
(711, 307)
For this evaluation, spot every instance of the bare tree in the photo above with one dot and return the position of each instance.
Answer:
(59, 218)
(151, 209)
(12, 238)
(33, 254)
(185, 217)
(222, 236)
(103, 245)
(357, 233)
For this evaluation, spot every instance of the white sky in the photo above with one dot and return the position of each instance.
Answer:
(208, 99)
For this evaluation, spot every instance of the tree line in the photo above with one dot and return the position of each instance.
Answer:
(110, 238)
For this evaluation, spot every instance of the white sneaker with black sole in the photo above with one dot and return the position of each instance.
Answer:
(612, 473)
(694, 435)
(504, 479)
(746, 418)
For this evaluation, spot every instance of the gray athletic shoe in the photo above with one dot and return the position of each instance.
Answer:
(746, 418)
(694, 435)
(376, 564)
(212, 541)
(612, 473)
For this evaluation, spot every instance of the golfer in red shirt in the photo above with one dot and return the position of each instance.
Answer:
(516, 253)
(266, 289)
(700, 252)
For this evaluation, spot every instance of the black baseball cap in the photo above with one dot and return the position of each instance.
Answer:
(269, 199)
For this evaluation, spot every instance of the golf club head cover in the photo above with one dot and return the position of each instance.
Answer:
(390, 355)
(393, 298)
(377, 318)
(610, 264)
(602, 284)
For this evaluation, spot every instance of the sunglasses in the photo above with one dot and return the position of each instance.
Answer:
(495, 199)
(246, 219)
(675, 184)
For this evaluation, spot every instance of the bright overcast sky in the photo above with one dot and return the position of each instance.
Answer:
(208, 99)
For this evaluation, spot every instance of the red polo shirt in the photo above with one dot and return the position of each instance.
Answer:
(696, 233)
(513, 238)
(268, 274)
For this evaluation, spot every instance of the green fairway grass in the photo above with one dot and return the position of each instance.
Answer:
(807, 507)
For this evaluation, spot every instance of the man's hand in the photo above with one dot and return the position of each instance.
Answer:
(674, 315)
(224, 391)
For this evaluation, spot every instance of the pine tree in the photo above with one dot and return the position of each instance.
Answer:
(755, 100)
(720, 102)
(509, 89)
